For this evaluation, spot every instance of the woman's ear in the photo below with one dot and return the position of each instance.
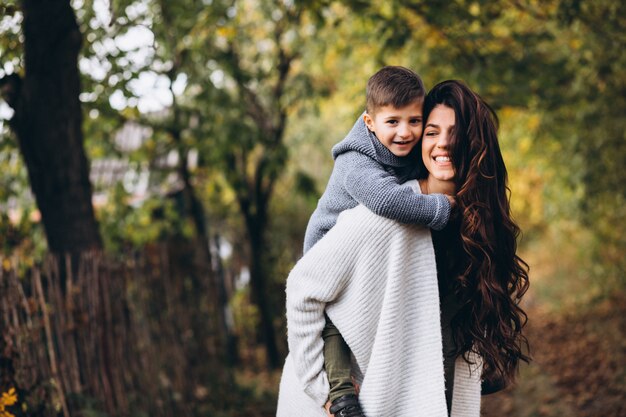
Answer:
(369, 122)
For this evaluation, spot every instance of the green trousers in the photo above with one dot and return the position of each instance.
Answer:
(336, 362)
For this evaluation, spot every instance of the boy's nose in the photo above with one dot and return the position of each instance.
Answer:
(404, 131)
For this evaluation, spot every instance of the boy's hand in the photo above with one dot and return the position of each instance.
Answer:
(452, 200)
(327, 408)
(454, 209)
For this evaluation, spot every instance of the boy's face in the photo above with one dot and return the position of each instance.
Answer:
(399, 129)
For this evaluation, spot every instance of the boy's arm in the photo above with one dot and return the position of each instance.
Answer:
(313, 231)
(378, 190)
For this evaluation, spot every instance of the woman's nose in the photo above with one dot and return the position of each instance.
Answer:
(443, 141)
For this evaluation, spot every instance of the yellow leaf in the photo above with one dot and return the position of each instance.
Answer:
(6, 264)
(9, 398)
(225, 32)
(474, 9)
(575, 44)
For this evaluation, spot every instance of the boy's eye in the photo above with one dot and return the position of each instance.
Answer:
(392, 122)
(416, 121)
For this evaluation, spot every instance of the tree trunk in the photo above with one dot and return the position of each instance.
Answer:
(215, 321)
(210, 284)
(47, 122)
(258, 282)
(232, 356)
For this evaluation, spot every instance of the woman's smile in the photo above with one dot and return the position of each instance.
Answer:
(442, 160)
(436, 141)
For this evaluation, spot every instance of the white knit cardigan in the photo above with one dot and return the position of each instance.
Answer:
(377, 281)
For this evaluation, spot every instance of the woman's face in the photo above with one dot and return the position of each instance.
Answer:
(435, 143)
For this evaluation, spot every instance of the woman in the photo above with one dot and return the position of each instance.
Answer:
(481, 279)
(377, 281)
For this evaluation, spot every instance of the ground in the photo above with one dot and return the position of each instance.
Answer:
(578, 367)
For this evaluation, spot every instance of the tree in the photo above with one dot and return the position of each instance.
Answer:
(588, 111)
(267, 54)
(550, 59)
(47, 121)
(234, 61)
(260, 83)
(166, 57)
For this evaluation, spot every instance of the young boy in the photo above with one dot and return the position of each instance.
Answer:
(371, 165)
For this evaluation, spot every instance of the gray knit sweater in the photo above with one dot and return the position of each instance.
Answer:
(367, 173)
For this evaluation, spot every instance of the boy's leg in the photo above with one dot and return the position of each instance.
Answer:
(336, 362)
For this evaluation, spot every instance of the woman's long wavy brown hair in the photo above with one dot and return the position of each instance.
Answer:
(491, 277)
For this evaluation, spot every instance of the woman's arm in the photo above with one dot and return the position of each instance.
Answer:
(316, 280)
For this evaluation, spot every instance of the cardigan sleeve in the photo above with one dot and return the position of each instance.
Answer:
(316, 280)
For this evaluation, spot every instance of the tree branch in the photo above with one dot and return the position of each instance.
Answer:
(254, 108)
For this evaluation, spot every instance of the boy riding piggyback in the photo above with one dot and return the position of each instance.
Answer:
(371, 166)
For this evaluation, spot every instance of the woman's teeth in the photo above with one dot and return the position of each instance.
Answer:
(442, 158)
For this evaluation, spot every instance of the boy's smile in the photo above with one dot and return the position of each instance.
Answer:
(398, 129)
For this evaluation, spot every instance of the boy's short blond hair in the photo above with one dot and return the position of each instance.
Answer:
(393, 86)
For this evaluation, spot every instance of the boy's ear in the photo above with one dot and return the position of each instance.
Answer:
(369, 122)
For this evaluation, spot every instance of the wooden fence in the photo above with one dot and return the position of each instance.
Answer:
(129, 337)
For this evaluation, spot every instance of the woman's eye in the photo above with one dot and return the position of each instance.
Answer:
(431, 133)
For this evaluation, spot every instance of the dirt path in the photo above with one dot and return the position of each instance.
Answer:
(579, 366)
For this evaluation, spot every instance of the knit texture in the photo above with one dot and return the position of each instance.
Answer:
(377, 281)
(366, 172)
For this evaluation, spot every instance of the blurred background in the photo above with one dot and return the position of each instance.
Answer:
(159, 161)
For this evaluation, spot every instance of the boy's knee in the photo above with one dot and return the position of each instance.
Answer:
(330, 330)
